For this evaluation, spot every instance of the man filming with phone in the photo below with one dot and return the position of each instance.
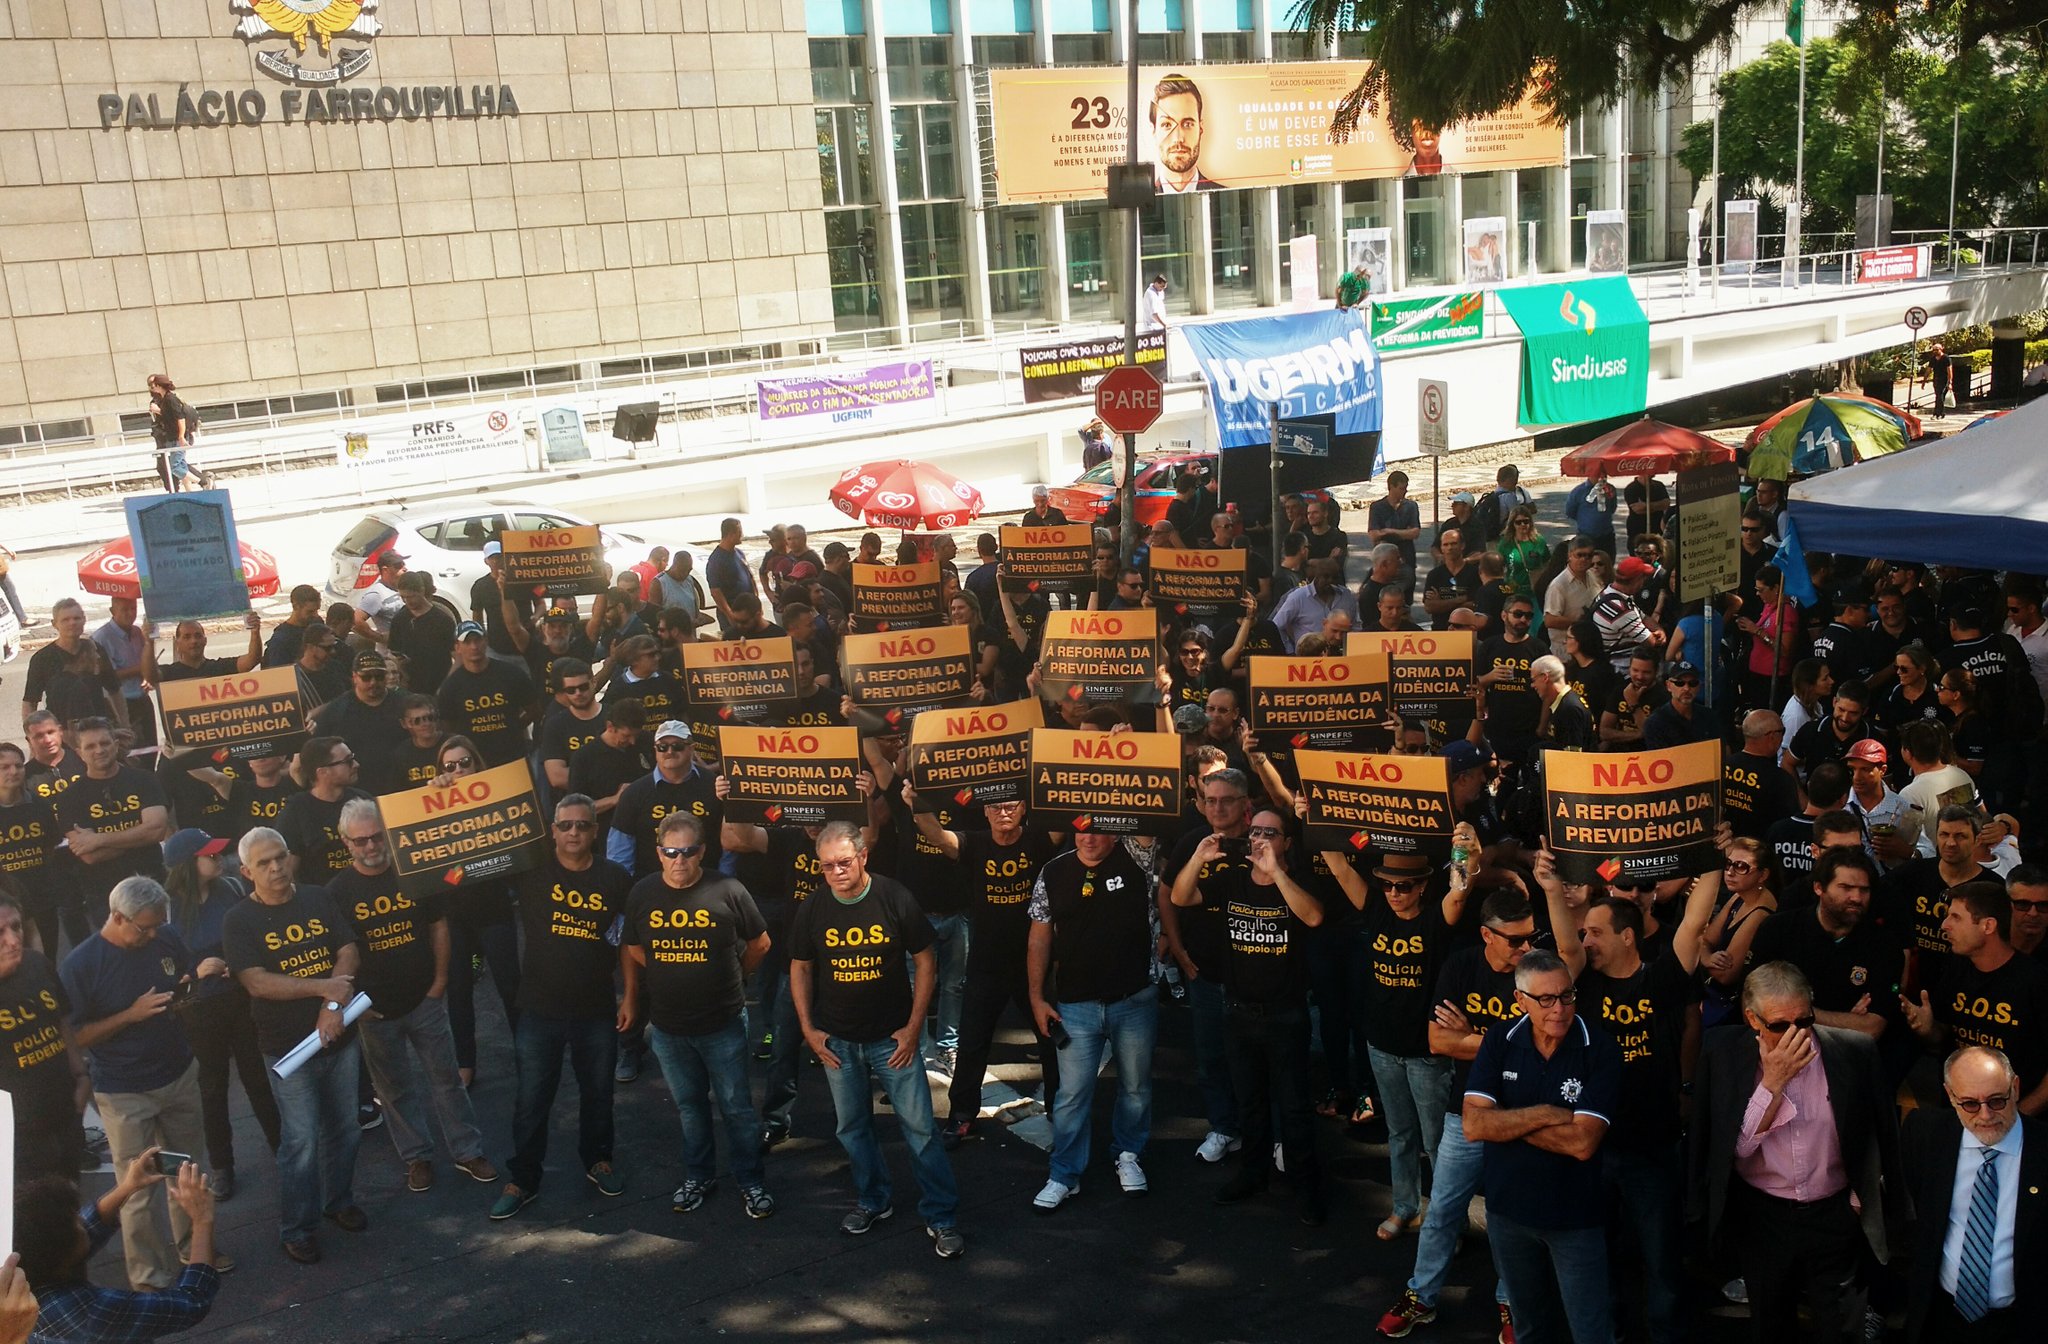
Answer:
(122, 984)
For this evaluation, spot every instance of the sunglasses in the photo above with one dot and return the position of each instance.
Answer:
(1266, 832)
(576, 689)
(1803, 1023)
(1192, 648)
(575, 825)
(370, 674)
(680, 851)
(1404, 883)
(459, 763)
(1752, 530)
(671, 748)
(1683, 681)
(1511, 939)
(1738, 866)
(1568, 998)
(2021, 907)
(421, 720)
(1971, 1105)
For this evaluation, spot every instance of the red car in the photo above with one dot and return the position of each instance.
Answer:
(1094, 490)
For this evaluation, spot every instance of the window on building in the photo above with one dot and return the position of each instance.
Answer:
(1294, 46)
(1162, 48)
(49, 433)
(1090, 236)
(839, 70)
(920, 69)
(852, 263)
(1004, 49)
(935, 282)
(1016, 264)
(1080, 48)
(1233, 278)
(1226, 47)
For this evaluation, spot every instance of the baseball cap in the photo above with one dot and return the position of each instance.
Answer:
(469, 630)
(1463, 755)
(1870, 751)
(492, 548)
(188, 845)
(1189, 719)
(1681, 668)
(1462, 497)
(369, 660)
(1634, 567)
(389, 558)
(802, 571)
(673, 728)
(560, 614)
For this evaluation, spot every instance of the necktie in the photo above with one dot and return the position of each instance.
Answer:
(1973, 1271)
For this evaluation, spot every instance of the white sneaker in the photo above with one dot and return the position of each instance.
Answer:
(1053, 1195)
(1736, 1291)
(1130, 1175)
(1215, 1147)
(1279, 1159)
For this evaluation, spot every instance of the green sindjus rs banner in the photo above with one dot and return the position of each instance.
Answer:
(1585, 350)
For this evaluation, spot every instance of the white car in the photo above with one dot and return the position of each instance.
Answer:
(446, 539)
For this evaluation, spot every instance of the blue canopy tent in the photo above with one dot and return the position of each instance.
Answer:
(1978, 500)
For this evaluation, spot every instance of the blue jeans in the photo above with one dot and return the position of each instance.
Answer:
(696, 1067)
(1456, 1172)
(1124, 1030)
(316, 1161)
(788, 1050)
(949, 942)
(1413, 1093)
(538, 1042)
(1556, 1278)
(1645, 1195)
(1212, 1054)
(412, 1060)
(861, 1065)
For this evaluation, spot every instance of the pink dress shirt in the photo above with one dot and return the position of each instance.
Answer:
(1799, 1157)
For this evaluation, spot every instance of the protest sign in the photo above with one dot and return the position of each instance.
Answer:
(1046, 560)
(482, 826)
(1105, 657)
(553, 562)
(896, 597)
(236, 716)
(1429, 672)
(1324, 704)
(185, 559)
(792, 776)
(738, 671)
(1633, 815)
(973, 755)
(1196, 583)
(901, 672)
(1111, 783)
(1392, 804)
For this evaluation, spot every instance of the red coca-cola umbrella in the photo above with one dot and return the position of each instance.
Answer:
(906, 495)
(1645, 448)
(109, 570)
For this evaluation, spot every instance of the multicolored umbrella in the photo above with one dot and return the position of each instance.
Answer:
(109, 570)
(1826, 432)
(1984, 420)
(1645, 448)
(906, 495)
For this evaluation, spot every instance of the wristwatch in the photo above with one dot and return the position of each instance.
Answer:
(333, 1007)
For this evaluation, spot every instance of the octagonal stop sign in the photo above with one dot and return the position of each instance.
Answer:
(1129, 399)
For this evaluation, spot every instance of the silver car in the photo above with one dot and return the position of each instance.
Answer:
(446, 538)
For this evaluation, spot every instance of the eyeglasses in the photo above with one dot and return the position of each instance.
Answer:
(671, 748)
(340, 761)
(578, 689)
(421, 720)
(354, 840)
(2020, 907)
(459, 763)
(1803, 1023)
(1267, 832)
(141, 927)
(1511, 939)
(837, 865)
(678, 851)
(1971, 1105)
(1568, 998)
(575, 825)
(1738, 866)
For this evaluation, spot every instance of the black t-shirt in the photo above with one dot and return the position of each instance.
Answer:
(1626, 717)
(301, 937)
(1817, 741)
(999, 882)
(1789, 841)
(485, 707)
(1914, 895)
(1755, 793)
(1485, 996)
(70, 685)
(1442, 583)
(939, 883)
(694, 939)
(195, 803)
(860, 983)
(1404, 957)
(251, 805)
(1866, 960)
(1895, 711)
(417, 767)
(650, 798)
(47, 781)
(660, 695)
(312, 832)
(540, 660)
(1594, 684)
(1265, 960)
(1202, 935)
(1645, 1014)
(1849, 652)
(1512, 706)
(1102, 925)
(375, 732)
(2004, 1009)
(563, 735)
(395, 936)
(484, 596)
(427, 643)
(790, 875)
(208, 667)
(32, 1012)
(28, 839)
(1322, 545)
(567, 967)
(115, 803)
(599, 770)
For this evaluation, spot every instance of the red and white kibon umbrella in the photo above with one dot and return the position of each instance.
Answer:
(109, 570)
(909, 495)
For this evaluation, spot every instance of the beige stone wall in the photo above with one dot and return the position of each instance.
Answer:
(658, 190)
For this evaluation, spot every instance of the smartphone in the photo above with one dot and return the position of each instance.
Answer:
(1233, 846)
(182, 992)
(168, 1162)
(1057, 1034)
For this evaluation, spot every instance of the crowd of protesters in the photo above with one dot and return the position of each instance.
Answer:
(1667, 1092)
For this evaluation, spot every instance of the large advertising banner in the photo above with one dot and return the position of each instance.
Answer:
(1110, 783)
(1441, 319)
(1323, 704)
(1633, 815)
(482, 826)
(1073, 368)
(1102, 657)
(1585, 350)
(973, 755)
(436, 434)
(880, 394)
(792, 776)
(1392, 804)
(236, 716)
(1210, 126)
(1317, 363)
(1876, 265)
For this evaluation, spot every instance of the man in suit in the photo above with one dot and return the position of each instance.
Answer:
(1794, 1121)
(1976, 1172)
